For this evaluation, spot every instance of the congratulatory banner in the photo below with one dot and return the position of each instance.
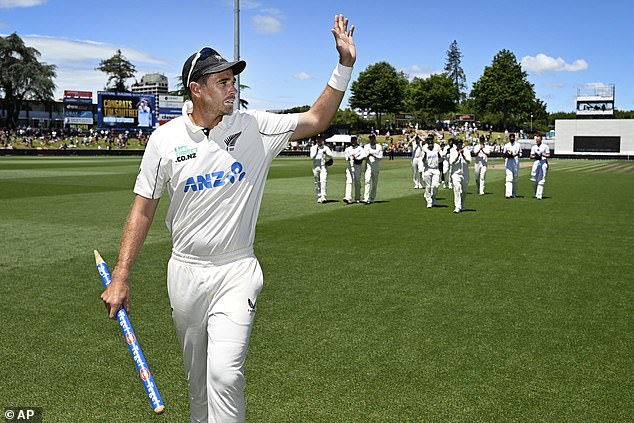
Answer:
(125, 110)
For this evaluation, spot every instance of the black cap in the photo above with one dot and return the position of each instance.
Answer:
(430, 138)
(208, 61)
(372, 135)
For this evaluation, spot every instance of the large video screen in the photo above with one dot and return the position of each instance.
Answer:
(125, 110)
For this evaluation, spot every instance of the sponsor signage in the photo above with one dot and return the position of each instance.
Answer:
(170, 107)
(125, 110)
(78, 107)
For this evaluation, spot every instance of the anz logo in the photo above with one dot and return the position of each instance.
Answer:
(215, 179)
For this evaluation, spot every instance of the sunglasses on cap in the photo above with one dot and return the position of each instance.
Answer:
(202, 54)
(209, 61)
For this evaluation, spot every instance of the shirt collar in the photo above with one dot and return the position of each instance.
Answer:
(188, 108)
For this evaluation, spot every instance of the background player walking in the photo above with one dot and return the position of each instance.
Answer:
(430, 163)
(481, 152)
(540, 154)
(512, 152)
(321, 154)
(373, 153)
(459, 158)
(354, 155)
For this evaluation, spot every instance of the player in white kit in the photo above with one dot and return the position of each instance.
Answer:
(354, 155)
(417, 153)
(481, 152)
(431, 172)
(459, 158)
(512, 152)
(540, 154)
(321, 154)
(213, 162)
(446, 166)
(373, 154)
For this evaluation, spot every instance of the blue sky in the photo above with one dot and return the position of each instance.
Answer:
(564, 46)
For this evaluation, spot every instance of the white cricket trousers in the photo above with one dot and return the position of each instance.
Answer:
(371, 181)
(353, 177)
(321, 179)
(432, 182)
(480, 169)
(446, 174)
(512, 170)
(538, 177)
(460, 184)
(416, 175)
(213, 308)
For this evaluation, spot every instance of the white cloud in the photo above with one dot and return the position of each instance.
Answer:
(543, 63)
(303, 76)
(415, 71)
(60, 50)
(266, 24)
(10, 4)
(273, 11)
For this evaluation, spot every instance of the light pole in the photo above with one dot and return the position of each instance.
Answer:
(236, 45)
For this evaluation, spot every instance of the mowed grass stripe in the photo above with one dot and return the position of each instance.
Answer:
(519, 310)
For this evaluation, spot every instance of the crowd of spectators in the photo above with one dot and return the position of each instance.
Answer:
(69, 138)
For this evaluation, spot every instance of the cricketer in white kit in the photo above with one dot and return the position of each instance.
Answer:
(213, 162)
(354, 155)
(373, 153)
(540, 154)
(417, 153)
(481, 152)
(512, 151)
(459, 158)
(320, 153)
(445, 165)
(430, 163)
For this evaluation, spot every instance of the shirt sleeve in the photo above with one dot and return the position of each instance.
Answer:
(276, 129)
(150, 182)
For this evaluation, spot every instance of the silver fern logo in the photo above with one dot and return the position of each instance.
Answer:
(231, 140)
(252, 305)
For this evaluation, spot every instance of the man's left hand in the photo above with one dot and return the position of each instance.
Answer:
(345, 42)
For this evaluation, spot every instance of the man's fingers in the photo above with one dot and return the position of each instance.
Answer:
(114, 309)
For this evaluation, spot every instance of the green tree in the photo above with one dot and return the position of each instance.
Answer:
(119, 69)
(433, 97)
(22, 76)
(379, 89)
(348, 117)
(454, 70)
(504, 96)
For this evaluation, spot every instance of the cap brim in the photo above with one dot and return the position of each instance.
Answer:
(237, 67)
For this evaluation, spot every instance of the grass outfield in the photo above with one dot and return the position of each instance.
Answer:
(515, 310)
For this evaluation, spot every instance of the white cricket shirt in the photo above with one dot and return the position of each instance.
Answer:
(215, 182)
(540, 150)
(431, 156)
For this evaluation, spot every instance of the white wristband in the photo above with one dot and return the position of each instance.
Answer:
(340, 77)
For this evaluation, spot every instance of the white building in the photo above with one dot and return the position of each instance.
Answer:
(151, 83)
(597, 137)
